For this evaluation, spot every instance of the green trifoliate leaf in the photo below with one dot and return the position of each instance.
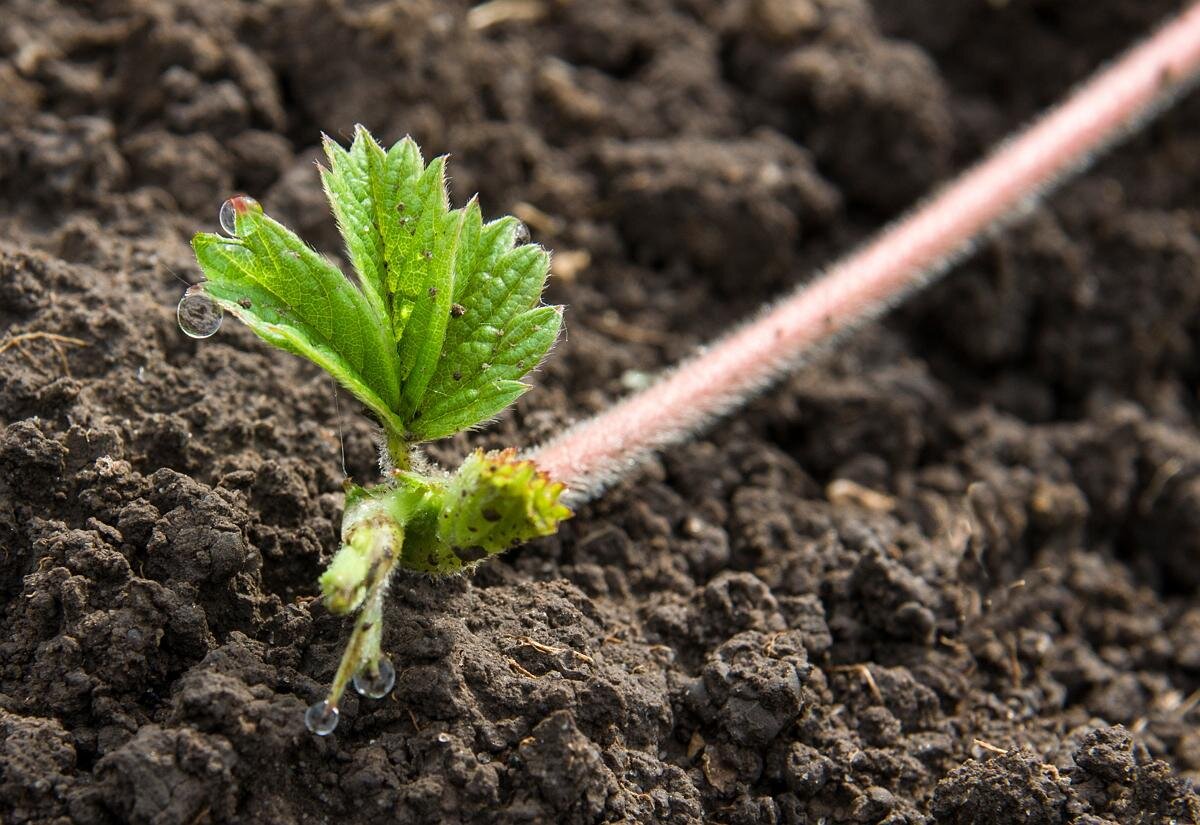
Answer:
(455, 301)
(296, 300)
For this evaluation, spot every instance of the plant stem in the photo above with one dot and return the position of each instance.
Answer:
(397, 450)
(358, 653)
(906, 256)
(384, 537)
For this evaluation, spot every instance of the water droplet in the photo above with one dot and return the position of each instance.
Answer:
(321, 718)
(521, 234)
(378, 685)
(227, 217)
(198, 315)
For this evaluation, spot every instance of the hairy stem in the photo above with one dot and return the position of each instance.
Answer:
(358, 654)
(397, 451)
(383, 538)
(906, 256)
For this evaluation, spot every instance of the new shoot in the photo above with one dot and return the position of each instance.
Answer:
(434, 336)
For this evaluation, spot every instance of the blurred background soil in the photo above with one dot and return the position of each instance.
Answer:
(947, 573)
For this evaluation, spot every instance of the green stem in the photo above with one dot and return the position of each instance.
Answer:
(398, 450)
(383, 537)
(362, 651)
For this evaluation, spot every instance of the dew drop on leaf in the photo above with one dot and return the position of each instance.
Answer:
(321, 718)
(378, 685)
(521, 234)
(227, 217)
(198, 315)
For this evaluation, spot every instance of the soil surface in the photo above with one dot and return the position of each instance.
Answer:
(948, 573)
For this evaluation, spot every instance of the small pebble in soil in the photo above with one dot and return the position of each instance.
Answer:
(321, 718)
(198, 315)
(376, 685)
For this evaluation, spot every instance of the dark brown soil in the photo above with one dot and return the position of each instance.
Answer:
(949, 573)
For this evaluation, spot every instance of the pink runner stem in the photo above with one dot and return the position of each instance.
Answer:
(904, 257)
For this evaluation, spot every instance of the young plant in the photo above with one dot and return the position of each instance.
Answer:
(444, 320)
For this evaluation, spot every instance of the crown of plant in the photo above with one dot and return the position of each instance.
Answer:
(434, 336)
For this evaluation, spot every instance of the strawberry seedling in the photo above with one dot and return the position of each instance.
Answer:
(444, 321)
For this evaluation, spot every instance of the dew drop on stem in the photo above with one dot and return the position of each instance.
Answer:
(198, 315)
(376, 685)
(321, 718)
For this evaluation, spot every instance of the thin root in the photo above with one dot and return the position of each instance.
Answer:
(515, 666)
(865, 673)
(56, 341)
(495, 12)
(988, 746)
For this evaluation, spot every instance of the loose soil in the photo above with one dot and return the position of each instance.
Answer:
(948, 573)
